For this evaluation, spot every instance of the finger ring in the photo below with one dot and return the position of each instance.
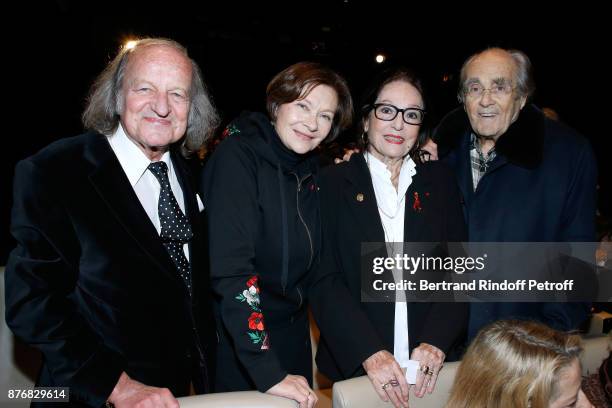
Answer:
(424, 369)
(429, 372)
(385, 386)
(394, 383)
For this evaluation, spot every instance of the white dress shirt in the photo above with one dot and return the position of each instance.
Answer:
(146, 186)
(391, 207)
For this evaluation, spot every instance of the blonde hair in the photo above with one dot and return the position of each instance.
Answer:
(513, 364)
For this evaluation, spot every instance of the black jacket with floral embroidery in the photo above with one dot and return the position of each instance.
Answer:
(264, 234)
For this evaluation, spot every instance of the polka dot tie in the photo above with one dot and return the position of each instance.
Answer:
(175, 228)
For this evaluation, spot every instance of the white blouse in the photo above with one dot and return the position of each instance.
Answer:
(391, 208)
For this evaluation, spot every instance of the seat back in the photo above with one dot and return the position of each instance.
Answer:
(596, 349)
(358, 392)
(239, 399)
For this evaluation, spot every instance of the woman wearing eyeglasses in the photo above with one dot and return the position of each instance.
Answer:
(383, 195)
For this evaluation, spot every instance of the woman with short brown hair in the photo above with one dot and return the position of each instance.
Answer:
(260, 188)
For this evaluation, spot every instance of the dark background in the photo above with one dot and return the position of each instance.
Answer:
(56, 52)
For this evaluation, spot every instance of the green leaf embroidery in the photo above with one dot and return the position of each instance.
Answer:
(256, 337)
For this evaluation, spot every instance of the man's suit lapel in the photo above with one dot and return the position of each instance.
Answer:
(113, 186)
(463, 167)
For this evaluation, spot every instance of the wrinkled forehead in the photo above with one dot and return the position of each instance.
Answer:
(491, 66)
(151, 57)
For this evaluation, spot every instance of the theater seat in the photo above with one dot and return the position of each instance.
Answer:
(255, 399)
(242, 399)
(595, 351)
(248, 399)
(358, 392)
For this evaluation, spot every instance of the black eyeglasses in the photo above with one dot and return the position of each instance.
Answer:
(387, 112)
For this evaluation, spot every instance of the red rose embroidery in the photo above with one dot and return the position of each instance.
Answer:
(250, 296)
(256, 321)
(252, 281)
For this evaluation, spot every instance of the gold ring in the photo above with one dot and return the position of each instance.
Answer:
(424, 369)
(385, 386)
(430, 372)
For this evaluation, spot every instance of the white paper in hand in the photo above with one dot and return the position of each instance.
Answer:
(411, 371)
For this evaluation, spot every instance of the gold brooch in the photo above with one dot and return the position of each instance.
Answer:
(359, 197)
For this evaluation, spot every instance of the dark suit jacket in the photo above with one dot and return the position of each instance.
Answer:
(348, 221)
(541, 187)
(90, 283)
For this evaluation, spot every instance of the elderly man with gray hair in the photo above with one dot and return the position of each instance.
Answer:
(524, 177)
(108, 279)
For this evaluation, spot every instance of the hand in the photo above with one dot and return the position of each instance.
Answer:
(384, 371)
(430, 359)
(129, 393)
(432, 148)
(347, 155)
(295, 387)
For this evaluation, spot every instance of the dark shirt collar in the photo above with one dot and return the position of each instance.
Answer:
(522, 144)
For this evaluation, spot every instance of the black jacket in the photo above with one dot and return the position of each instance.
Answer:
(541, 187)
(349, 218)
(262, 202)
(90, 283)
